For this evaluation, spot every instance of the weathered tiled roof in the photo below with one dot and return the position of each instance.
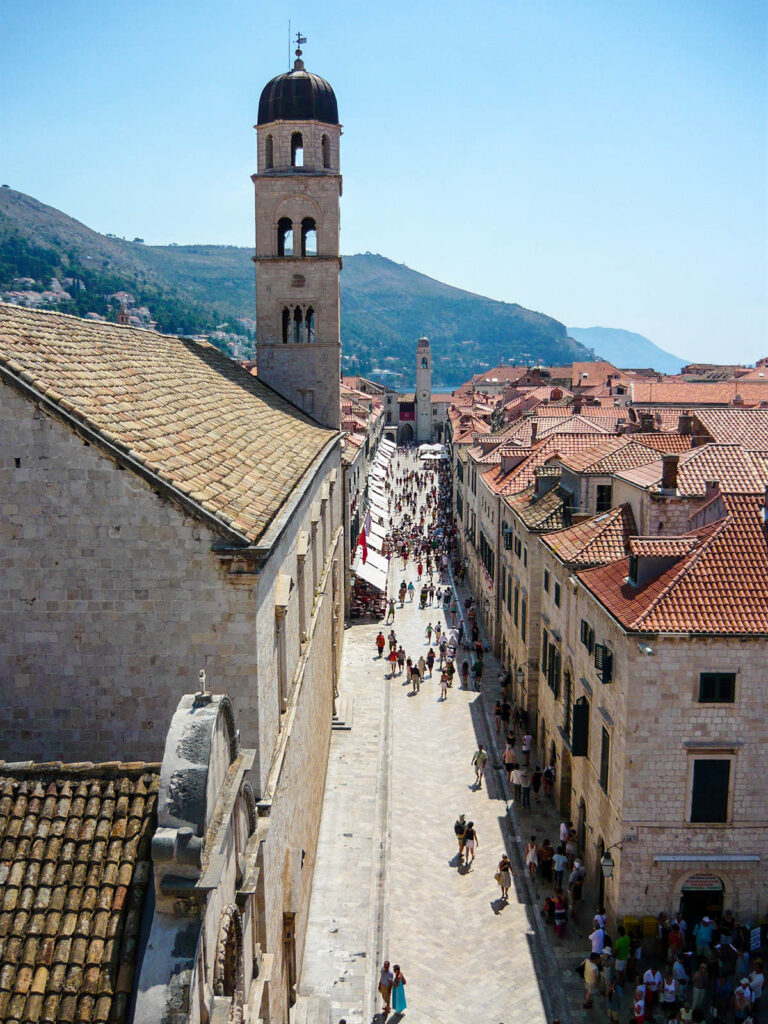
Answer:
(549, 512)
(74, 866)
(732, 467)
(747, 427)
(662, 547)
(678, 392)
(610, 456)
(522, 475)
(664, 442)
(596, 541)
(719, 587)
(188, 415)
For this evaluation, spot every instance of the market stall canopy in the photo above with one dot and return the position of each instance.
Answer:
(378, 473)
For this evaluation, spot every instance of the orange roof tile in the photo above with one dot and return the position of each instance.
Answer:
(549, 512)
(719, 587)
(747, 427)
(610, 456)
(729, 465)
(669, 442)
(662, 547)
(596, 541)
(677, 392)
(523, 474)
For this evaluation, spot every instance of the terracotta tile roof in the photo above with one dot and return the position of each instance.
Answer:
(677, 392)
(74, 866)
(747, 427)
(549, 512)
(662, 547)
(523, 474)
(720, 587)
(587, 374)
(191, 417)
(555, 423)
(610, 456)
(670, 443)
(733, 468)
(597, 541)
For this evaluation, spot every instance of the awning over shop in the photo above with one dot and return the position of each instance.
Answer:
(386, 445)
(377, 473)
(378, 531)
(369, 572)
(374, 541)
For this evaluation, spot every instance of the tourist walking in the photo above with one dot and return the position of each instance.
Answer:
(416, 677)
(398, 990)
(591, 979)
(443, 686)
(525, 786)
(470, 841)
(459, 828)
(504, 876)
(380, 643)
(479, 761)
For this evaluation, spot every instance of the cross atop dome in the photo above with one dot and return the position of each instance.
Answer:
(298, 64)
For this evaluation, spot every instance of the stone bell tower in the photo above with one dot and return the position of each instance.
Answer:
(298, 185)
(423, 391)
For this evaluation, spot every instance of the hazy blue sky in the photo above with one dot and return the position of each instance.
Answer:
(603, 162)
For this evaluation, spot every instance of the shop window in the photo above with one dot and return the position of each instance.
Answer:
(709, 793)
(717, 687)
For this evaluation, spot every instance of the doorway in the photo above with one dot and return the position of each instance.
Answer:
(406, 433)
(702, 895)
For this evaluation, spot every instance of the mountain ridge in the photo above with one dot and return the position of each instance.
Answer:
(209, 289)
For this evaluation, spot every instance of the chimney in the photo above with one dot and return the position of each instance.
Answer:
(685, 423)
(711, 487)
(577, 400)
(122, 316)
(534, 432)
(510, 458)
(669, 473)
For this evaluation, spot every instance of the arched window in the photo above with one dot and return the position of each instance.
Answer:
(286, 324)
(269, 155)
(297, 150)
(298, 326)
(326, 151)
(424, 363)
(309, 324)
(285, 237)
(308, 237)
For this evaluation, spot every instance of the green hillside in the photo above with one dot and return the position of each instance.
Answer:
(199, 288)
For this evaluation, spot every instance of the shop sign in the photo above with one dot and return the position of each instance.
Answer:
(704, 881)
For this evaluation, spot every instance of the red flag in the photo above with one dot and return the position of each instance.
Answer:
(363, 544)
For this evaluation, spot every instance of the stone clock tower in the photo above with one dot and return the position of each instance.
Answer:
(423, 391)
(298, 185)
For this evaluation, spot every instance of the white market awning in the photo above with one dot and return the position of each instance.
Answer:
(377, 473)
(370, 571)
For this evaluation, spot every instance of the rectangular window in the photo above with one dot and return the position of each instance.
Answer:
(525, 557)
(605, 758)
(709, 795)
(460, 471)
(518, 547)
(717, 687)
(557, 595)
(587, 635)
(553, 670)
(523, 620)
(546, 581)
(516, 606)
(544, 651)
(503, 584)
(604, 662)
(603, 502)
(509, 594)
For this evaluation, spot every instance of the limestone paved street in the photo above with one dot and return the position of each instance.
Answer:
(386, 879)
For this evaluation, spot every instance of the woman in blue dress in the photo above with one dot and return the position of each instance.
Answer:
(398, 990)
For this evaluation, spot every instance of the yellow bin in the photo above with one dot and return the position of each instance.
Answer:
(650, 926)
(629, 922)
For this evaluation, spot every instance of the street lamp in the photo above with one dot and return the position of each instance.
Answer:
(519, 677)
(607, 863)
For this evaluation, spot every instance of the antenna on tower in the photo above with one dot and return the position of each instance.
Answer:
(289, 44)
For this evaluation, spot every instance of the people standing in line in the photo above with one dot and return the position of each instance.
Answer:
(527, 743)
(536, 783)
(470, 841)
(398, 990)
(479, 761)
(509, 759)
(591, 979)
(504, 876)
(525, 786)
(559, 863)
